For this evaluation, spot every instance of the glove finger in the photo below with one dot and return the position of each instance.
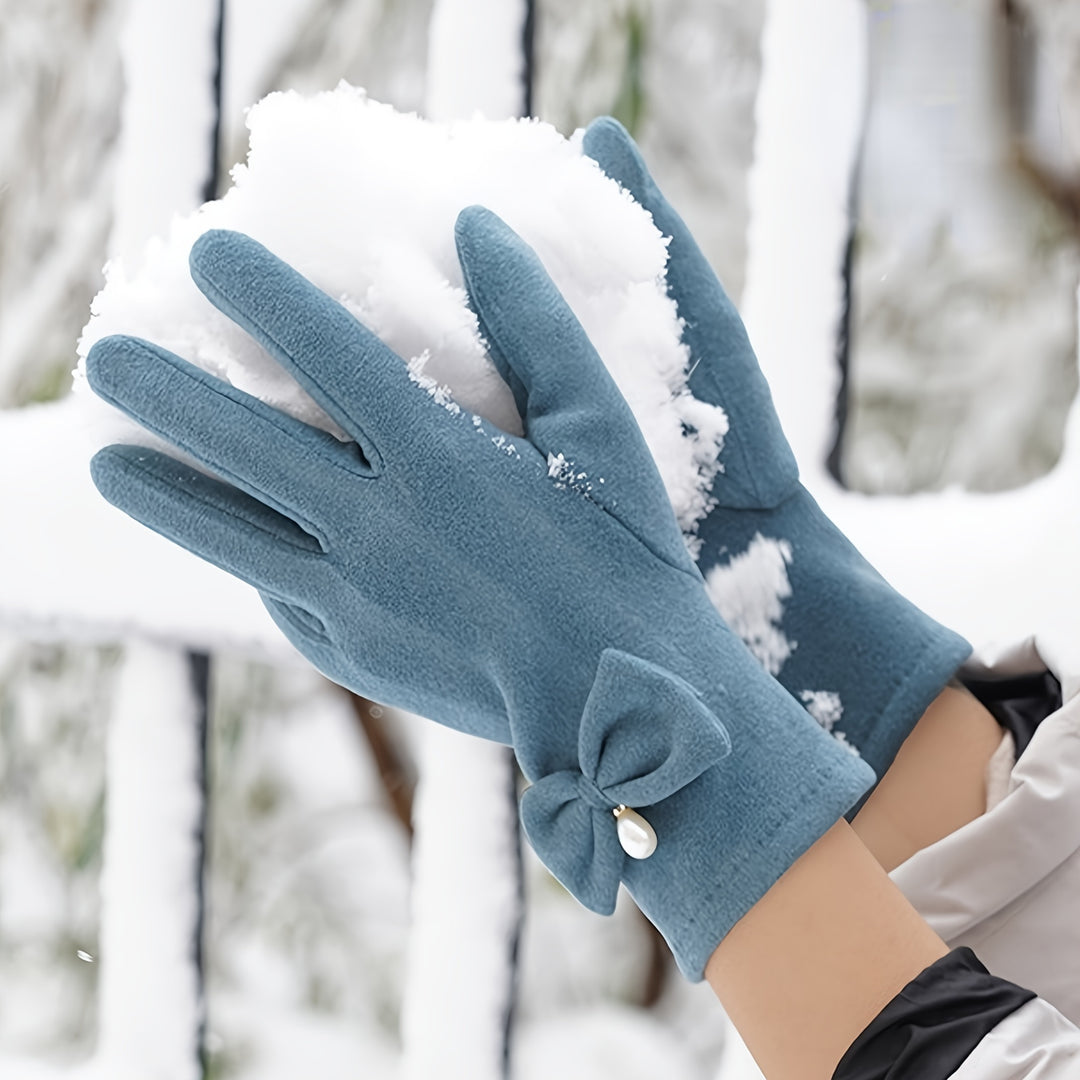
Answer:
(212, 520)
(759, 468)
(355, 377)
(269, 454)
(571, 408)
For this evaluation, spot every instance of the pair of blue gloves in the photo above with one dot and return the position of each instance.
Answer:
(434, 563)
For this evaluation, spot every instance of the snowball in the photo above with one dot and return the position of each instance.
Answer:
(362, 200)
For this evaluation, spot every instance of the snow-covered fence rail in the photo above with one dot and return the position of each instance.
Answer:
(151, 1009)
(152, 1000)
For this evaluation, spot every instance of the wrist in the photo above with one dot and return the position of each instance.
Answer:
(936, 784)
(727, 838)
(724, 768)
(817, 958)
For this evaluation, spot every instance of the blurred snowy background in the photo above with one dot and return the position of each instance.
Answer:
(960, 354)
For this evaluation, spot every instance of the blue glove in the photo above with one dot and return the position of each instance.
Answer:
(438, 564)
(863, 659)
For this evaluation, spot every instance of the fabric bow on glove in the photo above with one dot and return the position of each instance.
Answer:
(434, 563)
(865, 661)
(644, 735)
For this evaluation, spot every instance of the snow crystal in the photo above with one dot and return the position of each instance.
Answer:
(505, 445)
(566, 475)
(362, 200)
(842, 739)
(824, 706)
(749, 591)
(439, 393)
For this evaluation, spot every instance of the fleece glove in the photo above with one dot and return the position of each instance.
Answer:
(532, 590)
(863, 660)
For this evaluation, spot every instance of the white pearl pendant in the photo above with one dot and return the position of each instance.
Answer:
(636, 836)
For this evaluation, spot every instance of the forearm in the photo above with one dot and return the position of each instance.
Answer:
(937, 782)
(818, 957)
(821, 954)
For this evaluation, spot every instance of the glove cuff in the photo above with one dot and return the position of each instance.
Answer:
(719, 815)
(726, 839)
(924, 676)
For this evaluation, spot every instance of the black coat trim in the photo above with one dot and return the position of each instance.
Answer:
(928, 1030)
(1019, 703)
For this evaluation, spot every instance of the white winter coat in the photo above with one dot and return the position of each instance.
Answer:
(1007, 885)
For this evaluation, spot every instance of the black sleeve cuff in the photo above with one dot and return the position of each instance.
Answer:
(929, 1029)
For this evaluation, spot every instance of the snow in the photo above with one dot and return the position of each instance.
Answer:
(476, 62)
(608, 1042)
(824, 706)
(808, 112)
(440, 394)
(737, 1062)
(749, 591)
(565, 475)
(362, 200)
(466, 904)
(150, 1006)
(308, 883)
(119, 577)
(283, 1043)
(256, 34)
(167, 118)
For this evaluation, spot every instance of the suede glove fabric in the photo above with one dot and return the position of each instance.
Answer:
(864, 660)
(435, 563)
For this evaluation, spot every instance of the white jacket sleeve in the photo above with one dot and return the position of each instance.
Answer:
(1035, 1043)
(956, 1021)
(1007, 884)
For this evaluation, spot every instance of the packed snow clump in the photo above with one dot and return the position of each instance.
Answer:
(749, 591)
(362, 200)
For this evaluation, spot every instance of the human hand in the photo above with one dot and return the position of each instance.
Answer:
(533, 590)
(865, 662)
